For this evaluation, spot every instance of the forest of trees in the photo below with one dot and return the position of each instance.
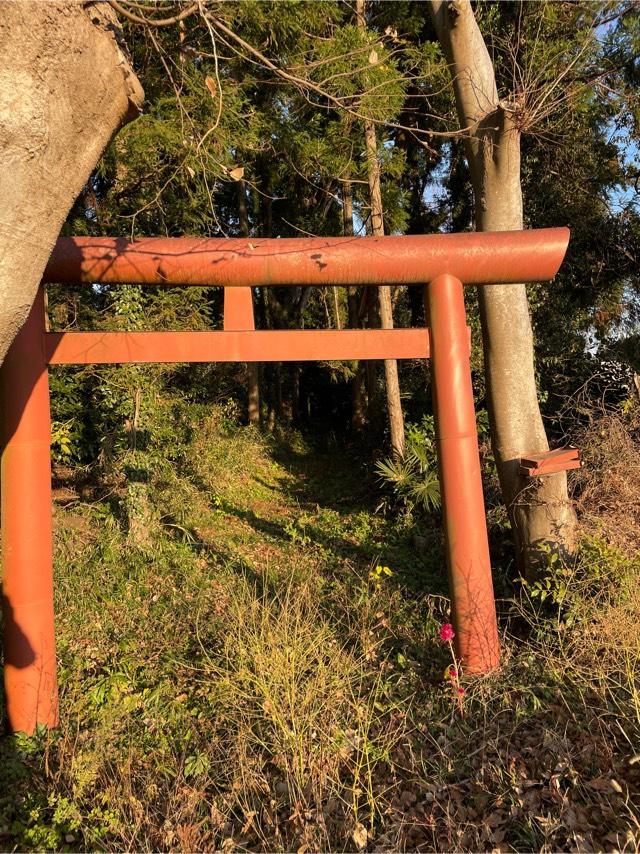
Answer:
(288, 119)
(346, 122)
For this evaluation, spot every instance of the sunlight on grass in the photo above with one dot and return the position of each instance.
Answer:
(265, 672)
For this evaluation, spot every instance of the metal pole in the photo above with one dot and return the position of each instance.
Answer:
(472, 598)
(27, 552)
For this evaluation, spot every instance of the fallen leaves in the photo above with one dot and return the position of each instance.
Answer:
(360, 836)
(604, 784)
(212, 86)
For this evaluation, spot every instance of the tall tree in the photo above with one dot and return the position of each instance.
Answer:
(253, 368)
(541, 512)
(358, 402)
(66, 87)
(392, 383)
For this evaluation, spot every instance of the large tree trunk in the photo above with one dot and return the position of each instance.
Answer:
(66, 87)
(541, 513)
(394, 405)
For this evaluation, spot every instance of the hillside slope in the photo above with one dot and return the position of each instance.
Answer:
(249, 659)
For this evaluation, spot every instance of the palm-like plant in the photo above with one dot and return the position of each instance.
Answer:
(414, 477)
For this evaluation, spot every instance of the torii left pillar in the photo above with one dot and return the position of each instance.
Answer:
(27, 585)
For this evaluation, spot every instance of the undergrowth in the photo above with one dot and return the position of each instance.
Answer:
(249, 660)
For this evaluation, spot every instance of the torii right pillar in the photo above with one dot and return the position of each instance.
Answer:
(467, 546)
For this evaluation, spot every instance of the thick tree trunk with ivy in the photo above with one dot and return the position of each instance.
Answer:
(66, 87)
(540, 510)
(392, 383)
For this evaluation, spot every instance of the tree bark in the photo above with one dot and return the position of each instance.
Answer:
(66, 87)
(358, 395)
(253, 368)
(541, 514)
(394, 405)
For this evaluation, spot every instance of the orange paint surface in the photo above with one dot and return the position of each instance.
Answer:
(474, 258)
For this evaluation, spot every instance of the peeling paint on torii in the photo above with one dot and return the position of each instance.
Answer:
(439, 263)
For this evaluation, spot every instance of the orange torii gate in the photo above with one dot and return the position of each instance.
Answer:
(441, 264)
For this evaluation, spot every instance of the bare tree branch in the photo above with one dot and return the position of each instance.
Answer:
(153, 22)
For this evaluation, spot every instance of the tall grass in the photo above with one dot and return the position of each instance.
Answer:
(245, 679)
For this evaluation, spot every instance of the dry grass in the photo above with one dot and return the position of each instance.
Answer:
(248, 686)
(298, 710)
(608, 487)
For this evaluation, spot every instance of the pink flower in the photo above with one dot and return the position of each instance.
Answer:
(460, 692)
(446, 632)
(453, 673)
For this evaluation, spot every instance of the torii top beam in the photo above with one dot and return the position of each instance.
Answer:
(473, 258)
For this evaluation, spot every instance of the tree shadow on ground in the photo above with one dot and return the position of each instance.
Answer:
(339, 478)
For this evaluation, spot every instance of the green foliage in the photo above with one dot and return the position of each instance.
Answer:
(569, 587)
(414, 478)
(297, 141)
(62, 440)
